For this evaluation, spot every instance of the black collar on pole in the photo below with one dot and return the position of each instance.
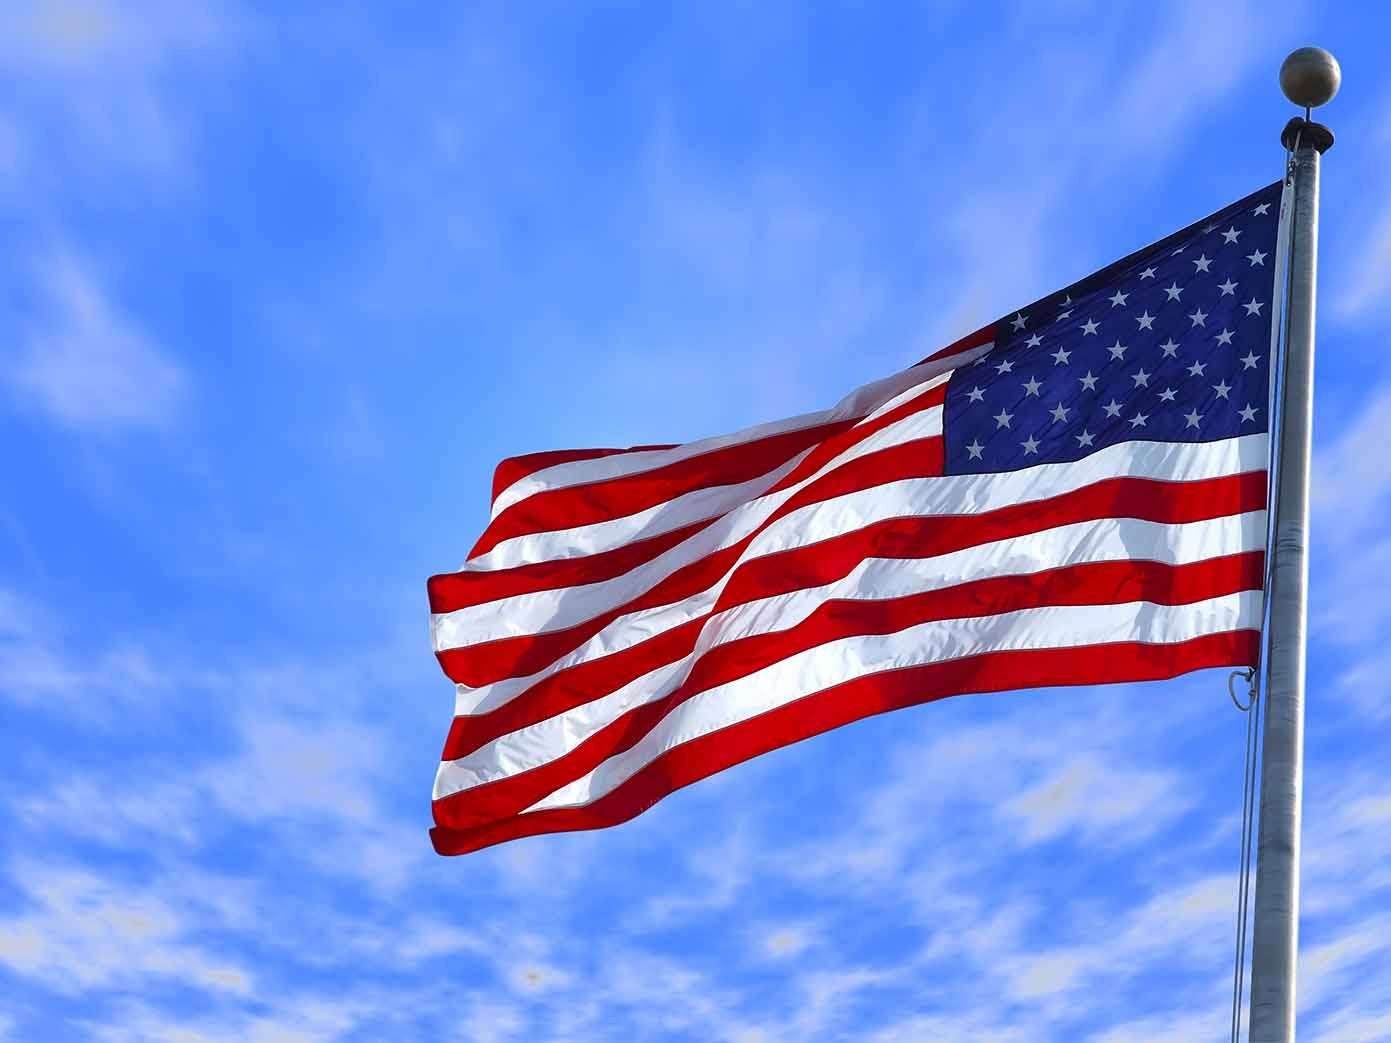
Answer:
(1300, 131)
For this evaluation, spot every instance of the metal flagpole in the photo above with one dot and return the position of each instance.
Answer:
(1309, 77)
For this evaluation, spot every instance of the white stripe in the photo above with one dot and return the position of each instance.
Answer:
(551, 610)
(637, 627)
(697, 505)
(537, 612)
(821, 667)
(675, 513)
(1112, 539)
(861, 402)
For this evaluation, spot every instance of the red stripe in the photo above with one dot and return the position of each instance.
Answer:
(456, 590)
(908, 537)
(839, 443)
(856, 699)
(593, 502)
(984, 335)
(451, 591)
(1097, 583)
(835, 558)
(515, 468)
(486, 662)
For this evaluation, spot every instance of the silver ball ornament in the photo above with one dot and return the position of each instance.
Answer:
(1310, 77)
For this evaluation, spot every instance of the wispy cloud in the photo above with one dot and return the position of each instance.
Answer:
(85, 932)
(1099, 800)
(36, 670)
(1365, 288)
(105, 84)
(88, 364)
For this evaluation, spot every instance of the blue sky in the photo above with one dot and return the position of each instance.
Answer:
(279, 289)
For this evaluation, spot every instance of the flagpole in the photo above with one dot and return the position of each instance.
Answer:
(1309, 77)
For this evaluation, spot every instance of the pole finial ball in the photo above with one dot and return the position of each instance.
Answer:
(1310, 77)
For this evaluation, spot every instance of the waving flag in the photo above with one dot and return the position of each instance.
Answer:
(1075, 494)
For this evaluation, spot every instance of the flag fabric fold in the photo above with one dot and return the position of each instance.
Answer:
(1075, 494)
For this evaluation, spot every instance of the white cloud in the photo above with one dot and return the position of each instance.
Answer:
(787, 941)
(1107, 802)
(718, 875)
(297, 768)
(99, 96)
(292, 1018)
(87, 932)
(489, 1021)
(1350, 486)
(1052, 973)
(88, 365)
(1167, 1028)
(1351, 496)
(953, 1027)
(37, 669)
(1370, 275)
(128, 816)
(1355, 1026)
(1326, 969)
(1366, 283)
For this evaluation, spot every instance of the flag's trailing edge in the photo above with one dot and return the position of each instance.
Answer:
(1075, 494)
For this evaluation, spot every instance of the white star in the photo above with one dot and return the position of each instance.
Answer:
(1146, 320)
(1142, 379)
(1086, 438)
(1031, 388)
(1117, 350)
(1067, 314)
(1208, 230)
(974, 449)
(1227, 287)
(1225, 337)
(1199, 317)
(1253, 306)
(1089, 327)
(1196, 370)
(1231, 234)
(1192, 419)
(1167, 395)
(1005, 367)
(1174, 290)
(1261, 210)
(1178, 251)
(1138, 420)
(1169, 348)
(1060, 357)
(1202, 263)
(1060, 412)
(1148, 273)
(975, 394)
(1256, 258)
(1221, 389)
(1118, 299)
(1019, 321)
(1113, 408)
(1067, 300)
(1030, 445)
(1249, 362)
(1088, 382)
(1002, 419)
(1249, 413)
(1034, 340)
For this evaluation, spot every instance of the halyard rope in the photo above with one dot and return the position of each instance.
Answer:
(1252, 707)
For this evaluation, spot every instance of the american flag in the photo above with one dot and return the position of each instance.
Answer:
(1075, 494)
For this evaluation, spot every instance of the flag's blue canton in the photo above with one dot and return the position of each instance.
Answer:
(1172, 345)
